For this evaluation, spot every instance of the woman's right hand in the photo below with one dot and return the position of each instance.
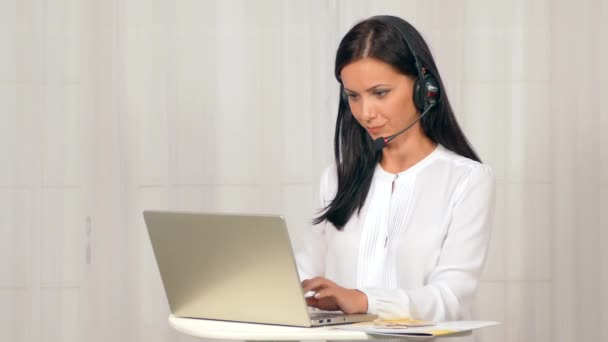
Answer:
(330, 296)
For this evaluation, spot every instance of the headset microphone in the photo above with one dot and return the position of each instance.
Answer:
(381, 142)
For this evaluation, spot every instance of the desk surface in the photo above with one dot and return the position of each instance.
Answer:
(222, 330)
(259, 332)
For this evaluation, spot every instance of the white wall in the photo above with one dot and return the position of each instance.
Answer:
(112, 107)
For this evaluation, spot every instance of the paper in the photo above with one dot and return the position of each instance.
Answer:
(409, 327)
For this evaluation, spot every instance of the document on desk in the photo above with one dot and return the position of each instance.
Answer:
(410, 327)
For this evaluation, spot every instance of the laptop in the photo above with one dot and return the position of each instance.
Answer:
(233, 267)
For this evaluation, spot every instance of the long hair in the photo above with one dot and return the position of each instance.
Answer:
(354, 154)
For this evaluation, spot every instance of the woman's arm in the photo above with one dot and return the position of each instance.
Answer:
(310, 258)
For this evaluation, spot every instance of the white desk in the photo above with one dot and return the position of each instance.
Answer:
(261, 332)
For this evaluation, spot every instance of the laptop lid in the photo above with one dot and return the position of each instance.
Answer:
(227, 267)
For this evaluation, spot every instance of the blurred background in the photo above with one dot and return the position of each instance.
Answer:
(109, 107)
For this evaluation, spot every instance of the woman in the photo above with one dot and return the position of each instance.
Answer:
(408, 206)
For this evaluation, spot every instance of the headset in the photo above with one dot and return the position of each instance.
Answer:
(426, 88)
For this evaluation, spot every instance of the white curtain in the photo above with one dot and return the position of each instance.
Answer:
(112, 107)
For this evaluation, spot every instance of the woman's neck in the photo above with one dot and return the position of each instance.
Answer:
(406, 150)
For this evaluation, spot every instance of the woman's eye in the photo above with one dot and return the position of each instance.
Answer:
(381, 93)
(352, 96)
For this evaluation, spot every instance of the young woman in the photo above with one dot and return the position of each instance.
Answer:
(407, 208)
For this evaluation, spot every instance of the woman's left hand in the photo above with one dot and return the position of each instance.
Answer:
(332, 297)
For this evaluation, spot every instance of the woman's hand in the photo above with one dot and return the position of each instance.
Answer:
(332, 297)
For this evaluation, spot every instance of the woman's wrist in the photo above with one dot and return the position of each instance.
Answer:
(361, 301)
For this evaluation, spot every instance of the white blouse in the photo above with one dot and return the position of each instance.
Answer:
(418, 246)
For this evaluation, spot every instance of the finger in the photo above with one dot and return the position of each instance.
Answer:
(305, 282)
(328, 304)
(313, 280)
(310, 301)
(315, 284)
(325, 293)
(309, 294)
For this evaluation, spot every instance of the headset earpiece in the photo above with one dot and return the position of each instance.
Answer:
(426, 90)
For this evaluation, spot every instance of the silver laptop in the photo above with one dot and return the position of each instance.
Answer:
(232, 267)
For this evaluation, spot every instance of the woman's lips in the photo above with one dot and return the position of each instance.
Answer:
(375, 129)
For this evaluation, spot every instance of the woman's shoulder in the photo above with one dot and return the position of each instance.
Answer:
(454, 162)
(467, 175)
(329, 182)
(330, 169)
(329, 176)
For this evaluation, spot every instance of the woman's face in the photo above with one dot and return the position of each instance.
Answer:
(380, 98)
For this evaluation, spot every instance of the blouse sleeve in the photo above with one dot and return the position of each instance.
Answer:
(452, 283)
(310, 259)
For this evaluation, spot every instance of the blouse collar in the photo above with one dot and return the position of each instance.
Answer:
(385, 175)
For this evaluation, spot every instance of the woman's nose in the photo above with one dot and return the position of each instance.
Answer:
(369, 110)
